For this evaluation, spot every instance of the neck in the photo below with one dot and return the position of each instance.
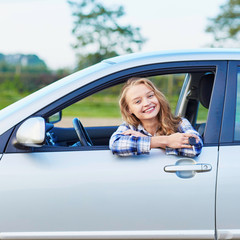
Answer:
(151, 126)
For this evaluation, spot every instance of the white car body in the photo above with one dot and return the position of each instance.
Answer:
(49, 192)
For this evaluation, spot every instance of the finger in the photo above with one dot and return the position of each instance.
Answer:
(188, 135)
(128, 132)
(186, 146)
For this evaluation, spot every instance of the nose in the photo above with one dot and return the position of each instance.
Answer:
(146, 101)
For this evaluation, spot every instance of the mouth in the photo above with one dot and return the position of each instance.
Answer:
(149, 110)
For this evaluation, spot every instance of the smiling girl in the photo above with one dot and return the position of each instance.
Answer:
(149, 123)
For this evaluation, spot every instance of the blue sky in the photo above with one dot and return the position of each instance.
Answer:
(43, 27)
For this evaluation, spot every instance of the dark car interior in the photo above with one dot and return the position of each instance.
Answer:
(199, 95)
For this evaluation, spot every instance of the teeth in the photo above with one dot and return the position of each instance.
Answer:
(150, 109)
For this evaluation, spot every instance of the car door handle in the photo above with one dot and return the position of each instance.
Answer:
(200, 167)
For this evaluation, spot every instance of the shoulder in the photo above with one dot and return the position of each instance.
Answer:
(185, 125)
(124, 127)
(184, 121)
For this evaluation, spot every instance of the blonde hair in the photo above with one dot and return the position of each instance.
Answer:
(168, 123)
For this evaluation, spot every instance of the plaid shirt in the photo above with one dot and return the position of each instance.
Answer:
(127, 145)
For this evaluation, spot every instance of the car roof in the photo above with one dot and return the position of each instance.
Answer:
(180, 55)
(40, 99)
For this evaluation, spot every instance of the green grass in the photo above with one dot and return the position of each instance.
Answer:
(202, 114)
(101, 106)
(97, 106)
(8, 97)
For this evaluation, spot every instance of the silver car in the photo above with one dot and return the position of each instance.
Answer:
(51, 189)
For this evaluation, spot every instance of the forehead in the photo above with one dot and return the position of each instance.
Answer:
(137, 91)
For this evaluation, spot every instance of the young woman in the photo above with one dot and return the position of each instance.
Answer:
(149, 123)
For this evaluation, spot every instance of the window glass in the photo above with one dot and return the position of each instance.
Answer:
(237, 117)
(202, 114)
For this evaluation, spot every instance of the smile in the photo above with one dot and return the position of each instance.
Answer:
(149, 110)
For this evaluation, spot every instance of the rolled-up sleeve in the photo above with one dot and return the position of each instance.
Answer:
(127, 145)
(186, 127)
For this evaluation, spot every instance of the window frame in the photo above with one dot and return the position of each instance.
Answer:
(214, 120)
(230, 102)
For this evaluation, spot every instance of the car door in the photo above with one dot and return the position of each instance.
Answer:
(88, 193)
(228, 193)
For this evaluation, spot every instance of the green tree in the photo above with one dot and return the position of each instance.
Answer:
(225, 27)
(99, 34)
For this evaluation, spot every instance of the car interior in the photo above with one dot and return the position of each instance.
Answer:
(196, 98)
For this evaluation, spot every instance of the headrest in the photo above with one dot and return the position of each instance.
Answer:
(205, 89)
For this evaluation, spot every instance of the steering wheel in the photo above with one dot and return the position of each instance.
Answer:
(81, 132)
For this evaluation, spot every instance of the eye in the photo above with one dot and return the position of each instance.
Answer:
(138, 101)
(150, 95)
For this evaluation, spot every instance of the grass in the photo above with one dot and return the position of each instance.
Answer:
(8, 97)
(97, 106)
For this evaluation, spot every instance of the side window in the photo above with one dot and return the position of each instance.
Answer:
(170, 85)
(195, 98)
(100, 114)
(237, 116)
(99, 109)
(102, 108)
(204, 92)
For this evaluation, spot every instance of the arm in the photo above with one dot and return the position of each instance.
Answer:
(176, 140)
(186, 127)
(178, 143)
(124, 143)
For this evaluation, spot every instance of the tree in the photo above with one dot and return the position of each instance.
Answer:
(99, 34)
(225, 27)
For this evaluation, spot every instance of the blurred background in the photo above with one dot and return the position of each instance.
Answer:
(44, 40)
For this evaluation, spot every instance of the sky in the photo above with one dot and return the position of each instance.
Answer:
(44, 27)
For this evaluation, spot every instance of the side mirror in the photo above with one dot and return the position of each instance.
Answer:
(31, 133)
(55, 117)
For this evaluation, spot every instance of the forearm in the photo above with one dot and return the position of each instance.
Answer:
(175, 141)
(130, 145)
(159, 142)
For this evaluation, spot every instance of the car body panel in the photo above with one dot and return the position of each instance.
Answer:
(228, 217)
(109, 235)
(70, 192)
(227, 204)
(107, 194)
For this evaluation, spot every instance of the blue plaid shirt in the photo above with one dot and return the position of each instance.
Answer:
(127, 145)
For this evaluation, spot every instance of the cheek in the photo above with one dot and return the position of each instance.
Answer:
(156, 102)
(133, 109)
(130, 109)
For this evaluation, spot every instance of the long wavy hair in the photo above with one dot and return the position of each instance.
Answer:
(168, 123)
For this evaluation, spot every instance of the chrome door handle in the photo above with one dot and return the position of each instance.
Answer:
(200, 167)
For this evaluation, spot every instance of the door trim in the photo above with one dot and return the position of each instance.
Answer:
(169, 234)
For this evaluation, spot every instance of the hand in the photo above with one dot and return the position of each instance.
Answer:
(133, 133)
(180, 140)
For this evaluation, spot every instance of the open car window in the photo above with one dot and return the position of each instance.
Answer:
(99, 113)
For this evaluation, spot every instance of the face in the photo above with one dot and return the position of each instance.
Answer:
(142, 102)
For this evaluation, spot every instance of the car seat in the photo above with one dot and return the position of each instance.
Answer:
(204, 93)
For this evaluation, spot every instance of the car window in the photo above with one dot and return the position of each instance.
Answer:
(237, 116)
(99, 109)
(102, 108)
(99, 114)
